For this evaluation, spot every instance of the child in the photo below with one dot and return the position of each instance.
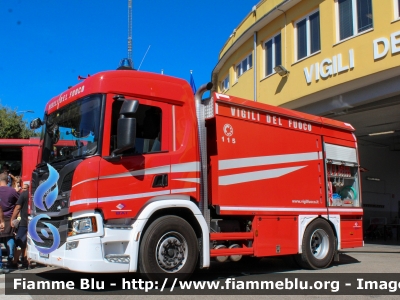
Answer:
(16, 183)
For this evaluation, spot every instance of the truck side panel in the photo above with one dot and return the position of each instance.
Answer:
(351, 233)
(268, 243)
(258, 157)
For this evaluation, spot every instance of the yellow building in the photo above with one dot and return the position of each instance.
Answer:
(334, 58)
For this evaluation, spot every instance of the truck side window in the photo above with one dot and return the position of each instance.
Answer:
(148, 128)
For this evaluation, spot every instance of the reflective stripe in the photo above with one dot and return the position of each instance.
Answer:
(84, 201)
(277, 209)
(175, 168)
(266, 160)
(144, 195)
(195, 180)
(188, 190)
(86, 180)
(149, 171)
(133, 196)
(186, 167)
(173, 129)
(258, 175)
(255, 208)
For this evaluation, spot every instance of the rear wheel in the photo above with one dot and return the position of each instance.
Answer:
(318, 246)
(169, 247)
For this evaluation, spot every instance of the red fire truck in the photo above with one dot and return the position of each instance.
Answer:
(20, 155)
(156, 180)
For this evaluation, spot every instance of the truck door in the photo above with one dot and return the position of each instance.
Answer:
(141, 173)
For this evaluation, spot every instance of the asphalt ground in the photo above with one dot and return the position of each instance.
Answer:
(375, 257)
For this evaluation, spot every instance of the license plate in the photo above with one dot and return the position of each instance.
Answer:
(43, 255)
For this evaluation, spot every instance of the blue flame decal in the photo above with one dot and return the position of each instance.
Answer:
(50, 198)
(44, 187)
(32, 228)
(36, 237)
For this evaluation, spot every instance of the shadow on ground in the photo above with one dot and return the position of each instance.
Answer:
(248, 266)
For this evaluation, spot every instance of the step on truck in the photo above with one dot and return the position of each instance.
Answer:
(137, 174)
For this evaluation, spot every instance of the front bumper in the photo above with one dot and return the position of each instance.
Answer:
(92, 255)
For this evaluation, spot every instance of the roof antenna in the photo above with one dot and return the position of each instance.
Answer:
(127, 63)
(144, 57)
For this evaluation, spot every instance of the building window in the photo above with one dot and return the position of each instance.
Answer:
(308, 37)
(396, 9)
(225, 84)
(354, 17)
(273, 54)
(244, 65)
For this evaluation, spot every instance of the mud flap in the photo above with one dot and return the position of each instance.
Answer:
(201, 260)
(336, 256)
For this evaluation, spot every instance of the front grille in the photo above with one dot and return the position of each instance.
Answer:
(60, 206)
(54, 208)
(62, 226)
(55, 223)
(39, 174)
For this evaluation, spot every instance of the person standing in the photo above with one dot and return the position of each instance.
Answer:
(21, 208)
(8, 199)
(16, 184)
(6, 170)
(2, 270)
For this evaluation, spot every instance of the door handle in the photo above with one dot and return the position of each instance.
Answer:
(160, 180)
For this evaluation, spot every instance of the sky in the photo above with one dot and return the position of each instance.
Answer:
(46, 44)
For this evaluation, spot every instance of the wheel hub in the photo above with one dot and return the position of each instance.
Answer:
(319, 243)
(171, 252)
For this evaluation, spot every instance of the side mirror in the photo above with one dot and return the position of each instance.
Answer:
(126, 128)
(126, 135)
(36, 123)
(129, 107)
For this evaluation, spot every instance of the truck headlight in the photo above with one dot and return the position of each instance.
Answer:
(82, 225)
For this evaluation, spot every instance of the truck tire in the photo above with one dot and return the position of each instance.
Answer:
(168, 248)
(318, 246)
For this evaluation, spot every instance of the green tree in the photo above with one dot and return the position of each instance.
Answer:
(12, 126)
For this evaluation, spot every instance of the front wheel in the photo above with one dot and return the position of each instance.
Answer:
(168, 249)
(318, 246)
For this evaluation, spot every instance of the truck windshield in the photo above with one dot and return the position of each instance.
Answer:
(72, 131)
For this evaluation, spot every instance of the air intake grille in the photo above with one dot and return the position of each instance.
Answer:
(67, 182)
(119, 259)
